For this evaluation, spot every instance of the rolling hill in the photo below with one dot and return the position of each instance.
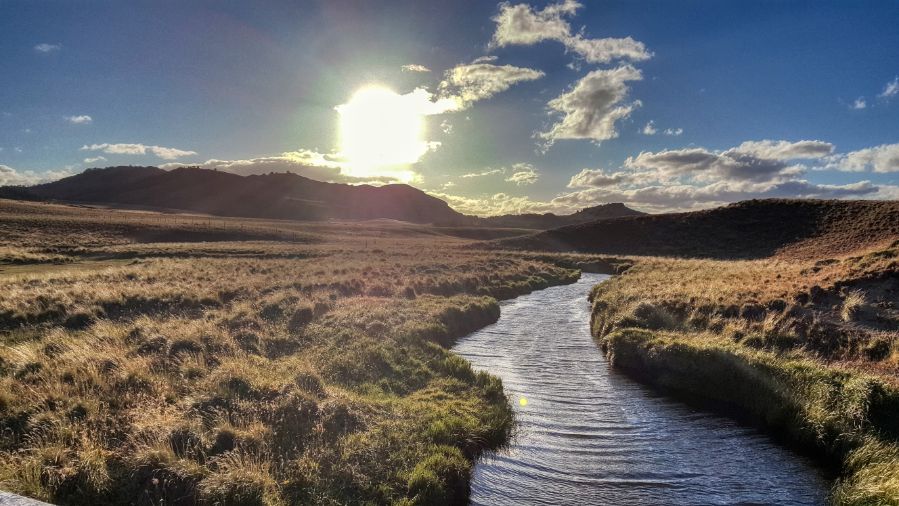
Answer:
(281, 196)
(748, 229)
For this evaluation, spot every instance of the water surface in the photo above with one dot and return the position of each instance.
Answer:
(589, 435)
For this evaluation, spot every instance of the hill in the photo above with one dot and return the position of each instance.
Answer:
(550, 220)
(749, 229)
(281, 196)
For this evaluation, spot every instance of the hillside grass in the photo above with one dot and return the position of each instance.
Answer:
(807, 349)
(311, 367)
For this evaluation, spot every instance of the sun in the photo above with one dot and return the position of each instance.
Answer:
(381, 133)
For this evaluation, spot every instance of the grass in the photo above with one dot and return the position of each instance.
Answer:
(312, 368)
(806, 348)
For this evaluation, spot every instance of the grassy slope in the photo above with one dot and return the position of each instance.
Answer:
(814, 229)
(809, 349)
(300, 364)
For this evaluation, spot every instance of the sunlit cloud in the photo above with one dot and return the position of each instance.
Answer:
(883, 159)
(11, 176)
(523, 174)
(523, 25)
(891, 89)
(649, 128)
(95, 159)
(139, 149)
(466, 84)
(414, 67)
(82, 119)
(591, 108)
(859, 103)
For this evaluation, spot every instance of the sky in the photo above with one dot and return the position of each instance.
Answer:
(495, 107)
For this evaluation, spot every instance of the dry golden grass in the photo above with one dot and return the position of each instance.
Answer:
(310, 369)
(808, 348)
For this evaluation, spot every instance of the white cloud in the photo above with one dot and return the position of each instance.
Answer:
(523, 25)
(883, 158)
(593, 105)
(680, 197)
(786, 150)
(138, 149)
(47, 48)
(488, 172)
(446, 127)
(859, 103)
(649, 128)
(414, 67)
(704, 165)
(496, 204)
(82, 119)
(891, 89)
(95, 159)
(478, 81)
(11, 176)
(598, 178)
(522, 174)
(673, 131)
(485, 59)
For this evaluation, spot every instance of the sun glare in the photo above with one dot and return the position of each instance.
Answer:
(381, 133)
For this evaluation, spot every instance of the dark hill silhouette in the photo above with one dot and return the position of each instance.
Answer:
(749, 229)
(550, 220)
(280, 196)
(284, 196)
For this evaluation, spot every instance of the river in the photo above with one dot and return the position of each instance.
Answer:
(588, 435)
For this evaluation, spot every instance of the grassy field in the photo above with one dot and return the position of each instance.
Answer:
(806, 348)
(258, 363)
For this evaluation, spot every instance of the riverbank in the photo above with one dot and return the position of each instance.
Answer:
(807, 349)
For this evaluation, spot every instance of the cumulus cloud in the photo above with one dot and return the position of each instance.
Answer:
(47, 48)
(496, 204)
(891, 89)
(883, 158)
(859, 103)
(139, 149)
(786, 150)
(704, 165)
(521, 24)
(687, 196)
(590, 109)
(673, 131)
(414, 67)
(11, 176)
(82, 119)
(598, 178)
(472, 82)
(649, 128)
(522, 174)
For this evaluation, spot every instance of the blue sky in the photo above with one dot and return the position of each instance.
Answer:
(547, 106)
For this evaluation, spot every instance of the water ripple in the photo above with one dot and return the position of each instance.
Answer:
(591, 436)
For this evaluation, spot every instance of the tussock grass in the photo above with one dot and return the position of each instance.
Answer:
(246, 372)
(804, 348)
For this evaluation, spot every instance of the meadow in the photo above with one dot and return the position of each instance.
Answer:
(177, 359)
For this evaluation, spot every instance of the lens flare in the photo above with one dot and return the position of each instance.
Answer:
(381, 133)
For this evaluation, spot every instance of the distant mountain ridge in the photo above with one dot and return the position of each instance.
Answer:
(276, 195)
(550, 220)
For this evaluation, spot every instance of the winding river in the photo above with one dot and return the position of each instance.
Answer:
(588, 435)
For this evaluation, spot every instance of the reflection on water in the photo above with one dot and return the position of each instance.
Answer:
(587, 435)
